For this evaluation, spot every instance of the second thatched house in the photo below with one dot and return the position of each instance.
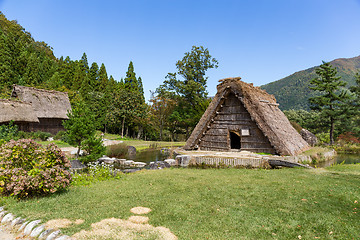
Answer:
(21, 113)
(244, 117)
(49, 107)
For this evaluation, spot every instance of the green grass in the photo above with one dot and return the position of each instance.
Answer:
(58, 143)
(142, 145)
(218, 203)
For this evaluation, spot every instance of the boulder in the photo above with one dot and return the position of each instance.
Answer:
(171, 162)
(129, 162)
(75, 152)
(131, 152)
(183, 160)
(139, 164)
(309, 137)
(77, 165)
(159, 165)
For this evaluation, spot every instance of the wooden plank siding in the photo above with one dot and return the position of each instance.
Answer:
(232, 116)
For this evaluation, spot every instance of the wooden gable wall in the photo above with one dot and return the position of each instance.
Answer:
(232, 118)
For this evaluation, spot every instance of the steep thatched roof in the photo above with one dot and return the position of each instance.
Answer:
(46, 104)
(262, 108)
(16, 111)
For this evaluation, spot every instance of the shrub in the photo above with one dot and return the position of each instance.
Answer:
(43, 136)
(27, 169)
(324, 138)
(348, 137)
(118, 150)
(94, 148)
(61, 135)
(8, 132)
(96, 172)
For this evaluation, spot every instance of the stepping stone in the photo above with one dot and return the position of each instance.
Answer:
(138, 219)
(140, 210)
(64, 237)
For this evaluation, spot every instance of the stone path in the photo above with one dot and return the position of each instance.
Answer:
(5, 235)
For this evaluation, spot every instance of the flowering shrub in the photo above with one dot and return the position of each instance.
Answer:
(96, 172)
(28, 169)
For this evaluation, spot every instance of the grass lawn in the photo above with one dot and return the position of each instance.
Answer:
(218, 203)
(141, 144)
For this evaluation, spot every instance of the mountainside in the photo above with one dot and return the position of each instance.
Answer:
(293, 92)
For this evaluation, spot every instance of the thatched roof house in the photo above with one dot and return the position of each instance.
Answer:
(50, 107)
(21, 113)
(244, 117)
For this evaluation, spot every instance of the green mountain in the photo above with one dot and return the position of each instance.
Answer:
(293, 92)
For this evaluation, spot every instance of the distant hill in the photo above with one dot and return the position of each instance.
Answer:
(293, 92)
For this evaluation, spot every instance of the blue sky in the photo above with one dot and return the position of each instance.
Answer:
(260, 41)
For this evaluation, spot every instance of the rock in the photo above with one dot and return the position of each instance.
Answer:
(23, 226)
(165, 151)
(171, 162)
(129, 162)
(131, 170)
(2, 214)
(159, 165)
(139, 164)
(183, 160)
(53, 235)
(131, 152)
(2, 209)
(309, 137)
(75, 152)
(49, 139)
(36, 232)
(17, 221)
(45, 234)
(30, 226)
(76, 164)
(8, 218)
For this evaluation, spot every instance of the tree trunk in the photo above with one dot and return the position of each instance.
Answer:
(161, 129)
(331, 130)
(122, 128)
(140, 132)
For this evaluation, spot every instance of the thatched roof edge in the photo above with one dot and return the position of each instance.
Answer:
(17, 111)
(263, 109)
(46, 103)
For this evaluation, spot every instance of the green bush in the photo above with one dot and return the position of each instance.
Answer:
(27, 169)
(94, 148)
(61, 135)
(118, 150)
(43, 136)
(8, 132)
(324, 138)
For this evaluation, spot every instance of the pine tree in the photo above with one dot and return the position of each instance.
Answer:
(103, 79)
(331, 99)
(130, 82)
(94, 76)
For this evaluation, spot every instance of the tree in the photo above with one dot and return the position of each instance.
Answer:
(331, 97)
(355, 106)
(80, 126)
(189, 93)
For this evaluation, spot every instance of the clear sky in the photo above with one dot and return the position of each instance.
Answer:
(258, 40)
